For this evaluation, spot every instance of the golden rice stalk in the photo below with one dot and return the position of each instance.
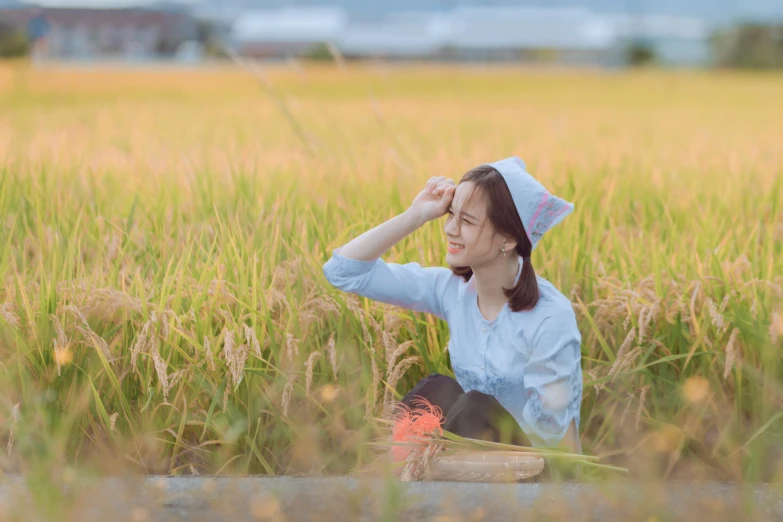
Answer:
(61, 349)
(652, 313)
(330, 349)
(376, 380)
(192, 318)
(392, 355)
(642, 323)
(113, 246)
(399, 371)
(164, 324)
(235, 358)
(366, 333)
(695, 294)
(160, 368)
(113, 420)
(86, 331)
(417, 462)
(217, 289)
(725, 302)
(228, 345)
(208, 354)
(642, 397)
(309, 370)
(7, 313)
(291, 346)
(252, 341)
(103, 303)
(225, 397)
(715, 315)
(97, 341)
(170, 313)
(628, 360)
(237, 364)
(621, 352)
(306, 319)
(775, 327)
(287, 391)
(387, 339)
(143, 340)
(327, 304)
(731, 353)
(175, 377)
(275, 298)
(12, 421)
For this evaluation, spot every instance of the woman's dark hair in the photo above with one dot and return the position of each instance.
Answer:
(502, 214)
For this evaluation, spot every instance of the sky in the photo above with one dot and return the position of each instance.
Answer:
(714, 10)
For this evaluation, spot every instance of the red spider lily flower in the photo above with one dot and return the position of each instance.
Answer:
(415, 425)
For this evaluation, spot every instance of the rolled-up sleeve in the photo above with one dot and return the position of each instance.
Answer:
(409, 285)
(553, 380)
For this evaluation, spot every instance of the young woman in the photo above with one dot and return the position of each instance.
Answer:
(514, 343)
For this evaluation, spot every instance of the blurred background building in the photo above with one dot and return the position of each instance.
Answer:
(605, 33)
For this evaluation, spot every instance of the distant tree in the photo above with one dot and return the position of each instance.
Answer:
(13, 41)
(749, 46)
(319, 53)
(208, 35)
(639, 53)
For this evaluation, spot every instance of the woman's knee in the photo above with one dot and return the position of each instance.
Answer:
(439, 390)
(475, 400)
(480, 416)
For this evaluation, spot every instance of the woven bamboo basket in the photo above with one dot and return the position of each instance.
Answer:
(484, 466)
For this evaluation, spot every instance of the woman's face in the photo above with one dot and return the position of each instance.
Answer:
(474, 243)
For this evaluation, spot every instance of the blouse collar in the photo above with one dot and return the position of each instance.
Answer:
(474, 298)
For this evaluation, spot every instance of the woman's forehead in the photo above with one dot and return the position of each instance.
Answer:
(468, 198)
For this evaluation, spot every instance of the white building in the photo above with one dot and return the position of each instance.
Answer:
(287, 30)
(566, 33)
(563, 34)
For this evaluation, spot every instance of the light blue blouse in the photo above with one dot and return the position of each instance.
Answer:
(529, 361)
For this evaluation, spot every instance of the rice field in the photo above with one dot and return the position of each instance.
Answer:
(163, 309)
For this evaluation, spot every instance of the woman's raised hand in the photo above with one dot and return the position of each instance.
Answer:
(434, 201)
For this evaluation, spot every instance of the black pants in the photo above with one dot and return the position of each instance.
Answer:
(474, 415)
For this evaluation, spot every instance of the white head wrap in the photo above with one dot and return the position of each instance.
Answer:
(537, 208)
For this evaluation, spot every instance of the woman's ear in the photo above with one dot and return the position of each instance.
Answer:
(510, 243)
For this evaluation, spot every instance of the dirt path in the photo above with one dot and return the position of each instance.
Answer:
(346, 499)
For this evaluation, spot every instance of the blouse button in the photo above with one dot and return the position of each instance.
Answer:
(484, 329)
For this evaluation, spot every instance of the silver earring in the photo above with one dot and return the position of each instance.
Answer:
(503, 249)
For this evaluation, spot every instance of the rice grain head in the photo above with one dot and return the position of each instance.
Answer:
(287, 392)
(237, 364)
(309, 370)
(331, 350)
(642, 323)
(143, 340)
(642, 397)
(731, 353)
(12, 421)
(7, 313)
(376, 380)
(208, 354)
(396, 374)
(160, 369)
(291, 346)
(715, 315)
(618, 361)
(776, 327)
(252, 341)
(392, 355)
